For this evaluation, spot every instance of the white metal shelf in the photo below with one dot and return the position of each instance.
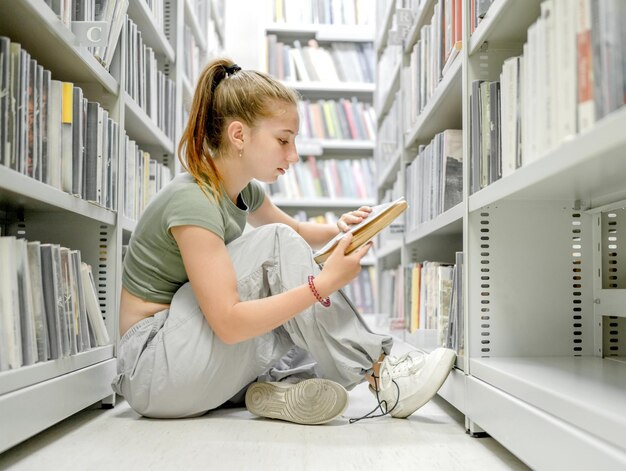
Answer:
(219, 22)
(424, 15)
(141, 128)
(388, 249)
(505, 21)
(348, 146)
(382, 34)
(152, 35)
(589, 167)
(18, 191)
(588, 392)
(322, 203)
(517, 424)
(324, 32)
(34, 408)
(447, 223)
(35, 26)
(128, 225)
(12, 380)
(443, 110)
(333, 87)
(388, 174)
(388, 95)
(192, 21)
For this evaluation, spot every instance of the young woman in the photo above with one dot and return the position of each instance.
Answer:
(206, 310)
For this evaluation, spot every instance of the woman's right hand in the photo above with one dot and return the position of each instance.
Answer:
(340, 268)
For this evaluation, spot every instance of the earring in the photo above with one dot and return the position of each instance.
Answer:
(240, 153)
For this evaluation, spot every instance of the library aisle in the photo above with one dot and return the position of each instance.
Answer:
(433, 438)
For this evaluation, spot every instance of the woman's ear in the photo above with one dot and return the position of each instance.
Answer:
(236, 132)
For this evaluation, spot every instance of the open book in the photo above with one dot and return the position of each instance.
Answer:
(381, 216)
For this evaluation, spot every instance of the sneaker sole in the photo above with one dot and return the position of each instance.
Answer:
(312, 401)
(437, 375)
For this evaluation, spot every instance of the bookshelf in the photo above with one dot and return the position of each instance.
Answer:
(328, 150)
(35, 397)
(543, 284)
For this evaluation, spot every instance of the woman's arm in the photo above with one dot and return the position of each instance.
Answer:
(315, 234)
(214, 283)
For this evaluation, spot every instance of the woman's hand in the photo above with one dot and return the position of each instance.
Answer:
(340, 269)
(353, 217)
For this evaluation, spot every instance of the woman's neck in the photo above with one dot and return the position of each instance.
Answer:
(234, 176)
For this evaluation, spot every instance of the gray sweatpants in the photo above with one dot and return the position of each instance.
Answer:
(173, 365)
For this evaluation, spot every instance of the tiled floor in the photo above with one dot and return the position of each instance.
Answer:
(433, 438)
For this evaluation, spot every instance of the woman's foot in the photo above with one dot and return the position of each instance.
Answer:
(312, 401)
(408, 382)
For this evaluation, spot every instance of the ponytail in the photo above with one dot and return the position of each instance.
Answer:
(224, 92)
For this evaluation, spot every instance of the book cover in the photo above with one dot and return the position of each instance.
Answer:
(381, 216)
(26, 313)
(41, 324)
(94, 314)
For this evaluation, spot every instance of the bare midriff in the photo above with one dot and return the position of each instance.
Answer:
(133, 309)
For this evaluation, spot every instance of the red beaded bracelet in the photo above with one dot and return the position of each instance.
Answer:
(322, 301)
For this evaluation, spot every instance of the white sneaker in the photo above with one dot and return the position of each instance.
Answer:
(312, 401)
(416, 376)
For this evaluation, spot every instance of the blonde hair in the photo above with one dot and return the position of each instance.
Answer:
(225, 92)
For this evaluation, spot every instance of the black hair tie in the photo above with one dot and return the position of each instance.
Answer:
(232, 69)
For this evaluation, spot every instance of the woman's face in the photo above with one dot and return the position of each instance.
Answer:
(271, 148)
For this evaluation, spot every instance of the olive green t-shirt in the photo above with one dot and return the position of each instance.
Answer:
(153, 266)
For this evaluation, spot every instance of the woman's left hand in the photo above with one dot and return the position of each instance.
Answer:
(353, 217)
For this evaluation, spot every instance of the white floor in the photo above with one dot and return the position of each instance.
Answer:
(433, 438)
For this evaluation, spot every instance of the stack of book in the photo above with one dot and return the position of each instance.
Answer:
(432, 56)
(151, 89)
(570, 75)
(53, 134)
(328, 178)
(338, 62)
(434, 179)
(49, 305)
(436, 300)
(144, 179)
(337, 119)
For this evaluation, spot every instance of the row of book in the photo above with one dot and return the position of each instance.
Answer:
(572, 73)
(361, 291)
(52, 133)
(151, 89)
(112, 12)
(328, 178)
(434, 299)
(337, 119)
(434, 178)
(339, 62)
(336, 12)
(144, 179)
(49, 305)
(432, 56)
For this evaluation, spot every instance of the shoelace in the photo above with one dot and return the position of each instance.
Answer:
(403, 364)
(380, 404)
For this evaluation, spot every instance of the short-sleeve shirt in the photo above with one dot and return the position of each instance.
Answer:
(153, 265)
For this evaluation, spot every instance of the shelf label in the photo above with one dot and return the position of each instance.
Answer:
(91, 33)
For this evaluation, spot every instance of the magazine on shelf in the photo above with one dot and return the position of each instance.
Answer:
(381, 216)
